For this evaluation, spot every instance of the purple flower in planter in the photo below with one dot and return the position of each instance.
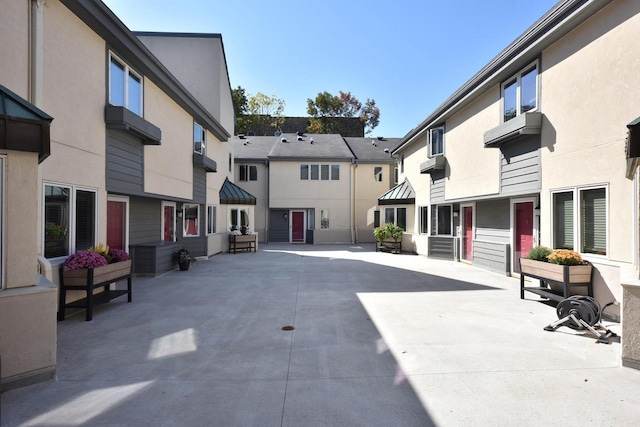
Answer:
(118, 255)
(84, 259)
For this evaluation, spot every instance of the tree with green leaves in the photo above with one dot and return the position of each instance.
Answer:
(257, 114)
(327, 109)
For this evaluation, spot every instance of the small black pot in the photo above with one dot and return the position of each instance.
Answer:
(184, 265)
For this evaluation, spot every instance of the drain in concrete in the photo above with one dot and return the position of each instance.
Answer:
(288, 328)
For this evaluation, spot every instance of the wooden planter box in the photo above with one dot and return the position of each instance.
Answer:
(87, 280)
(389, 245)
(242, 242)
(557, 281)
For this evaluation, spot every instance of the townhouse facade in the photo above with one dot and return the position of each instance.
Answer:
(313, 188)
(132, 159)
(533, 150)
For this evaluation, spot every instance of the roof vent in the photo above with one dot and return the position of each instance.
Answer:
(284, 140)
(300, 133)
(311, 141)
(241, 135)
(299, 138)
(373, 142)
(380, 138)
(386, 150)
(277, 133)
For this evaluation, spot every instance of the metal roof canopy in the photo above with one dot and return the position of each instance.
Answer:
(231, 194)
(401, 194)
(23, 126)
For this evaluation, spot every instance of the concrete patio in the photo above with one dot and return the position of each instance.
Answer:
(379, 340)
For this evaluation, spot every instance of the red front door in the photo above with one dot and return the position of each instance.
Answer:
(297, 227)
(167, 233)
(467, 241)
(523, 232)
(116, 224)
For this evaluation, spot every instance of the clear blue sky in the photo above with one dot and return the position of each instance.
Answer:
(408, 55)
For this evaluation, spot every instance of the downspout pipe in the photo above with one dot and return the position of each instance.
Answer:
(354, 231)
(36, 53)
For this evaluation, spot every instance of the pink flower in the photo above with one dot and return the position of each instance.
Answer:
(118, 255)
(84, 259)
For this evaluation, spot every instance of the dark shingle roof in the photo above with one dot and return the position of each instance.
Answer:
(324, 146)
(372, 149)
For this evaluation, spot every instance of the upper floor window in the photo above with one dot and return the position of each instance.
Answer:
(125, 86)
(199, 139)
(520, 93)
(436, 141)
(248, 173)
(320, 172)
(377, 174)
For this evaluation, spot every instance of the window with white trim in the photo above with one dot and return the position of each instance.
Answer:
(70, 219)
(238, 218)
(580, 220)
(377, 173)
(424, 219)
(324, 218)
(248, 173)
(211, 219)
(436, 141)
(199, 139)
(125, 85)
(520, 93)
(442, 220)
(397, 216)
(315, 172)
(191, 220)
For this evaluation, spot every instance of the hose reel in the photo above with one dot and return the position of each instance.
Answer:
(580, 312)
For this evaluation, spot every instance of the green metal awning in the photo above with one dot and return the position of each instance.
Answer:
(401, 194)
(231, 194)
(23, 126)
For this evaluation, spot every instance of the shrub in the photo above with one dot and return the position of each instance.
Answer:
(565, 257)
(389, 231)
(539, 253)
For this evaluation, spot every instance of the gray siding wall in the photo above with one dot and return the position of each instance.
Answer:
(492, 220)
(125, 164)
(520, 166)
(145, 220)
(278, 227)
(437, 187)
(200, 186)
(491, 255)
(491, 244)
(442, 247)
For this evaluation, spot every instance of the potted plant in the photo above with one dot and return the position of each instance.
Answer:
(389, 237)
(184, 259)
(87, 270)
